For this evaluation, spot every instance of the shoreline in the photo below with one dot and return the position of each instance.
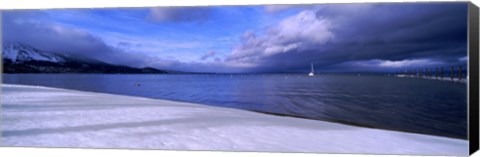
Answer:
(86, 103)
(264, 112)
(355, 124)
(258, 111)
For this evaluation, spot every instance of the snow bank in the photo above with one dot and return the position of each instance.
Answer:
(49, 117)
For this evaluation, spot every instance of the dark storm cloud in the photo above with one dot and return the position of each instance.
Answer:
(31, 28)
(34, 28)
(335, 37)
(358, 37)
(417, 35)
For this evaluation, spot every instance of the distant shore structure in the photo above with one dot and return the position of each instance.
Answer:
(437, 74)
(312, 71)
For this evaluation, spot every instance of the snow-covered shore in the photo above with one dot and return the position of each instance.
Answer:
(50, 117)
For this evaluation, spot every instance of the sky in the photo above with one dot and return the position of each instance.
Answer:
(364, 37)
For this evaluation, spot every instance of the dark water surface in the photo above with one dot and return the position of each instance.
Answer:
(407, 104)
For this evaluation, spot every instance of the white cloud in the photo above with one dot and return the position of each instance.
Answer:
(402, 63)
(297, 32)
(208, 55)
(396, 64)
(278, 8)
(463, 59)
(178, 14)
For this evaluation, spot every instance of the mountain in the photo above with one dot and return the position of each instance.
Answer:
(22, 58)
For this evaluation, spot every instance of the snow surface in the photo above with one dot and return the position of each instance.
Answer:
(50, 117)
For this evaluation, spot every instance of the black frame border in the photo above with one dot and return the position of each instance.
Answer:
(473, 67)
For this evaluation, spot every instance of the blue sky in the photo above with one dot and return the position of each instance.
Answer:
(183, 39)
(275, 38)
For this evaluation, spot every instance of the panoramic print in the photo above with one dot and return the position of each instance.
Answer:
(377, 78)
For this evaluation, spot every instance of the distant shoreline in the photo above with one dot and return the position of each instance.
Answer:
(455, 79)
(200, 73)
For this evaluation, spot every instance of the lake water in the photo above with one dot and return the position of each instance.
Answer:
(406, 104)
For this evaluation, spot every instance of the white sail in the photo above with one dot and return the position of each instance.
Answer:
(312, 71)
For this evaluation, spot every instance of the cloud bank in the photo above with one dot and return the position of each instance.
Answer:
(339, 37)
(335, 37)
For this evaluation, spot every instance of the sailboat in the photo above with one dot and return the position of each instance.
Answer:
(312, 71)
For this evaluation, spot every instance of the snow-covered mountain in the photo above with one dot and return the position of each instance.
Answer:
(22, 58)
(18, 53)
